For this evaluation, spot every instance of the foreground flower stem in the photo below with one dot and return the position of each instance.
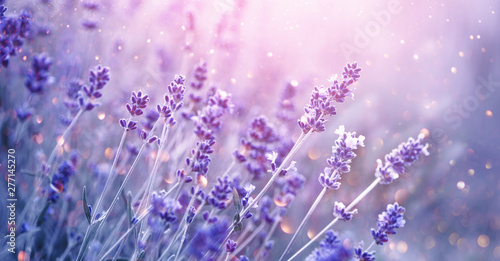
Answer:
(306, 218)
(131, 229)
(356, 201)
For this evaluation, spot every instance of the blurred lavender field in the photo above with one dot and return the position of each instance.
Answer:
(428, 67)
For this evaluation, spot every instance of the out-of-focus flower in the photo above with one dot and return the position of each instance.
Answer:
(38, 76)
(331, 249)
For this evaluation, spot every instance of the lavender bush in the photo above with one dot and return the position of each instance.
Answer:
(140, 133)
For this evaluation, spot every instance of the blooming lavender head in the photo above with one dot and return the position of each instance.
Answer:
(342, 155)
(138, 103)
(14, 30)
(231, 246)
(98, 78)
(38, 76)
(388, 221)
(255, 149)
(321, 102)
(331, 249)
(220, 193)
(361, 255)
(341, 213)
(403, 156)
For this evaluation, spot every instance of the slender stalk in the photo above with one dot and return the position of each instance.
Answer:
(370, 246)
(356, 201)
(139, 219)
(156, 165)
(306, 218)
(106, 185)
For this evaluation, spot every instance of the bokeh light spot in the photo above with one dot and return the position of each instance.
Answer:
(483, 241)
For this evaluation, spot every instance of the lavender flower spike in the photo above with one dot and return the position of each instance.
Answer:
(403, 156)
(388, 221)
(321, 102)
(342, 155)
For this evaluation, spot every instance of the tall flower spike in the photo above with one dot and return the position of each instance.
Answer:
(388, 221)
(403, 156)
(321, 102)
(98, 78)
(342, 155)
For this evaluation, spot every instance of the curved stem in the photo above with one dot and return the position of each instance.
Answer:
(356, 201)
(306, 218)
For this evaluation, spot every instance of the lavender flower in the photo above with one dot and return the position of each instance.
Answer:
(388, 221)
(220, 193)
(255, 149)
(403, 156)
(139, 102)
(38, 76)
(321, 102)
(361, 255)
(14, 30)
(288, 188)
(200, 76)
(98, 78)
(331, 249)
(342, 155)
(231, 246)
(340, 212)
(60, 179)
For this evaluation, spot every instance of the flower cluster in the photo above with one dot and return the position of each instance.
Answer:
(163, 209)
(321, 102)
(13, 32)
(288, 187)
(255, 149)
(220, 193)
(231, 246)
(138, 103)
(209, 121)
(403, 156)
(200, 76)
(331, 249)
(173, 99)
(60, 179)
(340, 212)
(38, 76)
(342, 155)
(388, 221)
(98, 78)
(363, 255)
